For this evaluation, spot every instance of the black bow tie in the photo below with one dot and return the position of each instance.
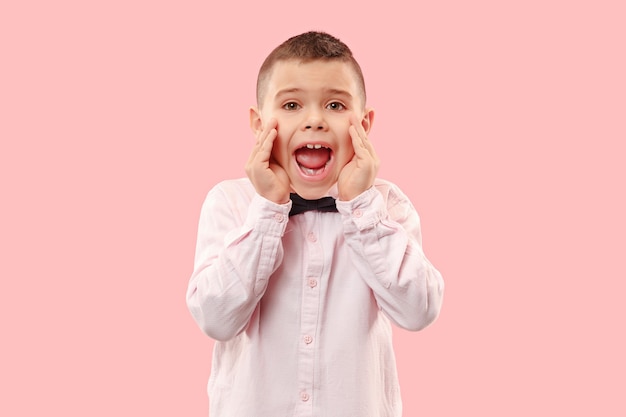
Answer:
(300, 205)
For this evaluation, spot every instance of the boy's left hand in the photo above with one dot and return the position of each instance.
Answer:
(358, 175)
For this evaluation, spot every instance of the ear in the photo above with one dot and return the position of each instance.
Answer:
(256, 124)
(368, 120)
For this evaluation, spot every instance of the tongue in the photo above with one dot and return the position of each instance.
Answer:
(312, 158)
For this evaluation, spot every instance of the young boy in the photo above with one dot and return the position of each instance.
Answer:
(299, 294)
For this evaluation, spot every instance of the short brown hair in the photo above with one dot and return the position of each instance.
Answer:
(308, 47)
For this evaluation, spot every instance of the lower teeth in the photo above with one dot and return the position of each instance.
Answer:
(310, 171)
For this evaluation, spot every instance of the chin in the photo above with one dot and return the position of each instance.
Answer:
(311, 191)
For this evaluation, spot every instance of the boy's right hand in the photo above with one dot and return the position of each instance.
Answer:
(268, 178)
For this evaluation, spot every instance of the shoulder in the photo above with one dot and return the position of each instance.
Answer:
(392, 194)
(398, 204)
(231, 192)
(238, 186)
(229, 199)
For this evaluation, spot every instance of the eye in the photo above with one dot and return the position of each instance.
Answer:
(292, 105)
(335, 105)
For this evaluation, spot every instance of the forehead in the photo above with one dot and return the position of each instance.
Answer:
(312, 76)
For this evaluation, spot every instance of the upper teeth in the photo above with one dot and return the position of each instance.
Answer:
(313, 146)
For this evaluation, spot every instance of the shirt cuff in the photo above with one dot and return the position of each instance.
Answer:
(268, 217)
(364, 211)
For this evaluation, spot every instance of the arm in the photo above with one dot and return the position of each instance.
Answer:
(238, 249)
(236, 253)
(382, 229)
(384, 233)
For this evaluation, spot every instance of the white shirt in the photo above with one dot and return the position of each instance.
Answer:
(301, 306)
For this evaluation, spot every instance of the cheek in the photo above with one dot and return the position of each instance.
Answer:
(345, 153)
(343, 134)
(279, 148)
(341, 121)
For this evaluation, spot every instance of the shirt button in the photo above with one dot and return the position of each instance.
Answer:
(304, 396)
(357, 213)
(308, 339)
(279, 218)
(311, 237)
(312, 282)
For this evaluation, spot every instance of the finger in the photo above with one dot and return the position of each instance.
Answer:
(360, 131)
(362, 148)
(262, 134)
(262, 137)
(354, 121)
(368, 145)
(265, 150)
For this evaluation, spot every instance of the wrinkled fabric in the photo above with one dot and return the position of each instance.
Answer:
(301, 307)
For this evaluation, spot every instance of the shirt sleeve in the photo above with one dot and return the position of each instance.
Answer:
(384, 233)
(238, 248)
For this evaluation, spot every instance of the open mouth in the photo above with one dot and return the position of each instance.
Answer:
(313, 158)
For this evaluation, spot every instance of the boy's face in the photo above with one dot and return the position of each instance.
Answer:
(312, 103)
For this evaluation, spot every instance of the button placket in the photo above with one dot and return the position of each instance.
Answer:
(309, 316)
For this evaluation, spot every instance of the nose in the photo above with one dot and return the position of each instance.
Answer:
(315, 121)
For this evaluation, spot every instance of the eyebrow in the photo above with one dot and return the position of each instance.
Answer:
(331, 91)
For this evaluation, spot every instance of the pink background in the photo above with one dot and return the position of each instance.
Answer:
(503, 121)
